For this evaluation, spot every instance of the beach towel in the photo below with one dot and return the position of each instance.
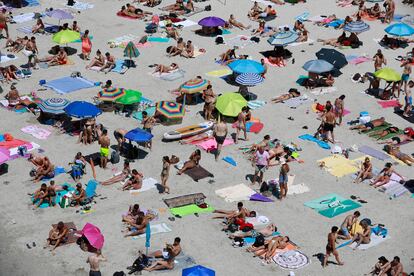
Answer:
(302, 17)
(387, 104)
(171, 76)
(36, 132)
(116, 42)
(49, 28)
(5, 58)
(68, 84)
(240, 41)
(250, 240)
(393, 188)
(295, 44)
(336, 23)
(261, 198)
(81, 6)
(292, 259)
(147, 184)
(211, 144)
(235, 193)
(158, 39)
(59, 196)
(323, 90)
(91, 188)
(230, 160)
(297, 101)
(343, 207)
(25, 17)
(198, 173)
(359, 60)
(374, 153)
(339, 166)
(123, 15)
(256, 104)
(181, 262)
(320, 143)
(155, 229)
(266, 60)
(184, 200)
(375, 240)
(332, 205)
(185, 23)
(322, 202)
(219, 73)
(190, 210)
(258, 221)
(73, 234)
(297, 189)
(254, 127)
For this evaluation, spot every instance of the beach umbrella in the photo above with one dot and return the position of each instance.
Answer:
(400, 29)
(194, 86)
(131, 51)
(65, 37)
(318, 66)
(53, 105)
(283, 38)
(358, 26)
(198, 270)
(93, 235)
(111, 94)
(59, 14)
(138, 135)
(170, 110)
(249, 79)
(147, 236)
(241, 66)
(130, 97)
(388, 74)
(334, 57)
(81, 109)
(211, 21)
(230, 104)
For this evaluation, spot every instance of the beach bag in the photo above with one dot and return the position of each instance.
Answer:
(255, 39)
(207, 8)
(4, 168)
(140, 263)
(115, 157)
(264, 187)
(259, 241)
(246, 227)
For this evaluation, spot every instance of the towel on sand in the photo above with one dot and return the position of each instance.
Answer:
(375, 240)
(219, 73)
(116, 42)
(291, 259)
(191, 209)
(393, 188)
(320, 143)
(374, 153)
(155, 229)
(23, 17)
(294, 44)
(36, 132)
(387, 104)
(297, 101)
(5, 58)
(240, 41)
(340, 166)
(332, 205)
(256, 104)
(147, 184)
(68, 84)
(323, 90)
(171, 76)
(81, 6)
(258, 221)
(235, 193)
(49, 28)
(198, 173)
(211, 144)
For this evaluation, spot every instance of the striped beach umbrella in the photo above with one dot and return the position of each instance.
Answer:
(170, 110)
(400, 29)
(249, 79)
(194, 86)
(283, 38)
(356, 27)
(111, 94)
(53, 105)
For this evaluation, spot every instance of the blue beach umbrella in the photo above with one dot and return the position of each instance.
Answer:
(356, 27)
(198, 270)
(283, 38)
(54, 105)
(318, 66)
(147, 237)
(241, 66)
(138, 135)
(400, 29)
(83, 110)
(249, 79)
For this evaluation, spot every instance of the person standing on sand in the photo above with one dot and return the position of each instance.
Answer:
(379, 60)
(339, 108)
(241, 123)
(86, 45)
(405, 77)
(283, 180)
(148, 123)
(104, 142)
(219, 133)
(261, 159)
(165, 173)
(331, 247)
(94, 261)
(329, 122)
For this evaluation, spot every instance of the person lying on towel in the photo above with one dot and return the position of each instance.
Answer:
(266, 232)
(241, 213)
(270, 247)
(138, 226)
(193, 162)
(370, 125)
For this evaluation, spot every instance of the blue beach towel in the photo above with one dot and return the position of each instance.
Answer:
(320, 143)
(119, 66)
(158, 39)
(303, 17)
(31, 3)
(58, 170)
(67, 85)
(252, 240)
(335, 23)
(59, 196)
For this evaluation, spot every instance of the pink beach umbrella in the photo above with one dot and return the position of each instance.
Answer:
(93, 235)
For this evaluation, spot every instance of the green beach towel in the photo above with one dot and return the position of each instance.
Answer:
(190, 210)
(323, 202)
(332, 205)
(386, 125)
(343, 207)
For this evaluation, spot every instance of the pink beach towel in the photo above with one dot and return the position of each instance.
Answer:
(210, 144)
(36, 132)
(387, 104)
(346, 112)
(359, 60)
(266, 60)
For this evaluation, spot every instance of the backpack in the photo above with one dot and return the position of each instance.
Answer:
(71, 2)
(207, 8)
(115, 157)
(259, 241)
(246, 227)
(255, 39)
(141, 262)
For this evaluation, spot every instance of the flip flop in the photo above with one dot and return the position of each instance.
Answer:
(34, 244)
(28, 246)
(291, 118)
(178, 216)
(196, 214)
(362, 201)
(354, 197)
(171, 218)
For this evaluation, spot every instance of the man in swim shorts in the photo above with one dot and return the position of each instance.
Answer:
(148, 123)
(347, 224)
(369, 125)
(119, 135)
(104, 142)
(220, 133)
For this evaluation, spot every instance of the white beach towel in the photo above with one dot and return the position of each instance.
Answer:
(37, 132)
(240, 41)
(292, 259)
(15, 151)
(393, 188)
(295, 102)
(323, 90)
(147, 184)
(81, 6)
(123, 39)
(235, 193)
(5, 103)
(25, 17)
(4, 59)
(375, 240)
(259, 221)
(184, 24)
(155, 229)
(294, 44)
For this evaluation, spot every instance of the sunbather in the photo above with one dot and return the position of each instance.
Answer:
(109, 63)
(347, 225)
(126, 171)
(407, 136)
(370, 125)
(134, 182)
(132, 214)
(209, 98)
(138, 226)
(382, 133)
(384, 176)
(57, 235)
(166, 263)
(39, 27)
(172, 31)
(365, 171)
(98, 61)
(228, 56)
(234, 23)
(395, 151)
(268, 250)
(254, 11)
(175, 249)
(241, 213)
(193, 162)
(374, 11)
(266, 232)
(17, 45)
(334, 41)
(269, 11)
(60, 58)
(292, 93)
(364, 237)
(159, 68)
(45, 169)
(78, 196)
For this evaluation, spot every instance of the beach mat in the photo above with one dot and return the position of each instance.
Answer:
(219, 73)
(198, 173)
(339, 166)
(25, 17)
(375, 240)
(190, 210)
(5, 58)
(387, 104)
(256, 104)
(81, 6)
(58, 198)
(308, 137)
(211, 144)
(291, 259)
(343, 207)
(155, 229)
(374, 153)
(322, 202)
(235, 193)
(36, 132)
(147, 184)
(67, 85)
(184, 200)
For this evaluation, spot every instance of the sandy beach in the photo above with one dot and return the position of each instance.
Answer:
(202, 238)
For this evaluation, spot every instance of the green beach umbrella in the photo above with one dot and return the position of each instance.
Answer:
(130, 97)
(66, 36)
(388, 74)
(230, 104)
(131, 51)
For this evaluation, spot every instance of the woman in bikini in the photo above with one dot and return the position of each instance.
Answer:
(384, 176)
(39, 28)
(166, 164)
(134, 182)
(292, 93)
(365, 172)
(379, 60)
(177, 50)
(132, 214)
(193, 162)
(334, 41)
(395, 151)
(364, 237)
(228, 56)
(97, 61)
(172, 31)
(165, 69)
(126, 171)
(60, 59)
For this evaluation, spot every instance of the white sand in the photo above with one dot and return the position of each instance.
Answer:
(201, 237)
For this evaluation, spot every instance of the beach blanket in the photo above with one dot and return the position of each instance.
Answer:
(359, 60)
(81, 6)
(235, 193)
(36, 132)
(336, 23)
(68, 84)
(147, 184)
(171, 76)
(184, 23)
(184, 200)
(119, 68)
(297, 101)
(116, 42)
(25, 17)
(211, 144)
(49, 28)
(158, 39)
(332, 205)
(260, 197)
(303, 16)
(5, 58)
(374, 153)
(323, 90)
(393, 188)
(258, 221)
(219, 73)
(198, 173)
(292, 259)
(123, 15)
(295, 44)
(320, 143)
(190, 210)
(250, 240)
(339, 166)
(375, 240)
(240, 41)
(59, 196)
(387, 104)
(155, 229)
(256, 104)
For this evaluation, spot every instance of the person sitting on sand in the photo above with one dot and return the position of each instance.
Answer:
(57, 235)
(159, 68)
(178, 49)
(193, 162)
(265, 232)
(396, 267)
(10, 73)
(138, 226)
(134, 182)
(97, 61)
(364, 237)
(132, 214)
(109, 63)
(78, 196)
(166, 263)
(45, 169)
(407, 136)
(60, 59)
(13, 97)
(269, 11)
(395, 151)
(292, 93)
(347, 225)
(39, 27)
(254, 11)
(381, 268)
(347, 20)
(232, 22)
(365, 171)
(241, 213)
(124, 174)
(328, 80)
(172, 31)
(303, 36)
(228, 56)
(374, 11)
(175, 249)
(370, 125)
(299, 26)
(188, 51)
(384, 176)
(75, 27)
(40, 195)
